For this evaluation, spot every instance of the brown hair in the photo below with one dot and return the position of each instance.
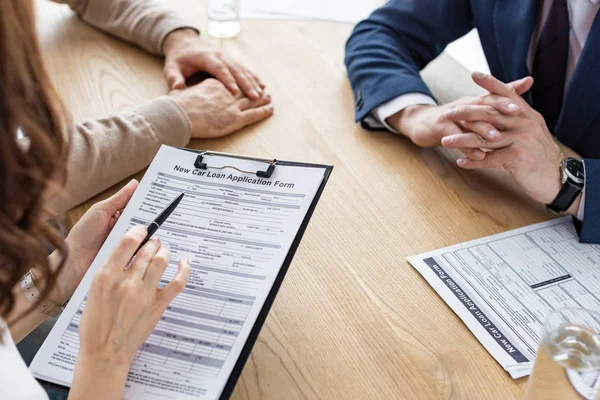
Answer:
(29, 102)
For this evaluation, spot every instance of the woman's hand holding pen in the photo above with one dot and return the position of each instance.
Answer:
(123, 306)
(85, 239)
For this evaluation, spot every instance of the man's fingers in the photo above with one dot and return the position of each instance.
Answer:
(157, 267)
(473, 154)
(143, 258)
(175, 78)
(493, 159)
(494, 86)
(246, 104)
(254, 115)
(119, 200)
(176, 286)
(522, 85)
(126, 247)
(221, 71)
(469, 140)
(479, 113)
(503, 104)
(484, 129)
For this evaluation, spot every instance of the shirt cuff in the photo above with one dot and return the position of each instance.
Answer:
(581, 210)
(386, 110)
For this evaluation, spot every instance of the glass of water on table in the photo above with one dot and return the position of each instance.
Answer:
(567, 365)
(223, 18)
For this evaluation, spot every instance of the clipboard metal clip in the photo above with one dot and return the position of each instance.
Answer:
(261, 174)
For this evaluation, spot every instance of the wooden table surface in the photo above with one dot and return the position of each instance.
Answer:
(353, 320)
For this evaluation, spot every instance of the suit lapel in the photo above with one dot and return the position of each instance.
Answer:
(514, 22)
(580, 106)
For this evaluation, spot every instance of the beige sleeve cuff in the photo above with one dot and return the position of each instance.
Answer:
(105, 151)
(168, 120)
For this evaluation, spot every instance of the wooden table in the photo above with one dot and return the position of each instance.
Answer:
(353, 319)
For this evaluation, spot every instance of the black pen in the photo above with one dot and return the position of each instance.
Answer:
(162, 217)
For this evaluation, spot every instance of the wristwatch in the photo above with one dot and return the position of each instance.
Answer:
(32, 293)
(572, 172)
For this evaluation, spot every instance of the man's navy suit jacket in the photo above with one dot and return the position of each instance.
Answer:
(386, 52)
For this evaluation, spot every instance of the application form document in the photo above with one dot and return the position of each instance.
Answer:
(505, 285)
(236, 229)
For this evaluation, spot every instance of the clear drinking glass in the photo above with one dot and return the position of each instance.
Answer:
(568, 359)
(223, 18)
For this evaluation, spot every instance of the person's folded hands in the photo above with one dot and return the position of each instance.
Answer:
(186, 54)
(525, 147)
(214, 112)
(426, 125)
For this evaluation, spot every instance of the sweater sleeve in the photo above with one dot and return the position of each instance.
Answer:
(145, 23)
(105, 151)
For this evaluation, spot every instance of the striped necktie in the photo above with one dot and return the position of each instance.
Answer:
(550, 63)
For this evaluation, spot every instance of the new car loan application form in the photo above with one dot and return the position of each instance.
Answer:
(236, 230)
(504, 286)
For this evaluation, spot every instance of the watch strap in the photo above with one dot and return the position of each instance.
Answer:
(565, 198)
(32, 294)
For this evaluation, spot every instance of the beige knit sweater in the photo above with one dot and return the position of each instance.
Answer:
(106, 151)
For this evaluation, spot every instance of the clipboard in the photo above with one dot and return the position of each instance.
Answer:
(270, 166)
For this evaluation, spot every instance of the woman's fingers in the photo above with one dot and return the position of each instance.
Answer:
(245, 80)
(256, 88)
(221, 70)
(157, 267)
(257, 79)
(176, 286)
(245, 84)
(143, 258)
(119, 200)
(126, 247)
(255, 115)
(247, 104)
(175, 78)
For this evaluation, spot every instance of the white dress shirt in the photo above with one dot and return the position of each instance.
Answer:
(581, 13)
(16, 382)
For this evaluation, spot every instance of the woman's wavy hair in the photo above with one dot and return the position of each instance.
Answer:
(27, 171)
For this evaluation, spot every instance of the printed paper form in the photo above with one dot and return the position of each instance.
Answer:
(236, 229)
(504, 286)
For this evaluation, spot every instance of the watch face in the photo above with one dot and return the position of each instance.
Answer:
(575, 169)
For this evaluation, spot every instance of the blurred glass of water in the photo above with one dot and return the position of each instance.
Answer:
(568, 356)
(223, 18)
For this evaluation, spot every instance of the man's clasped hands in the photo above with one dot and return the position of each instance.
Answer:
(495, 130)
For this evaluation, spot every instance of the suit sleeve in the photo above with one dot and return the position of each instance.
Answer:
(590, 227)
(145, 23)
(385, 52)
